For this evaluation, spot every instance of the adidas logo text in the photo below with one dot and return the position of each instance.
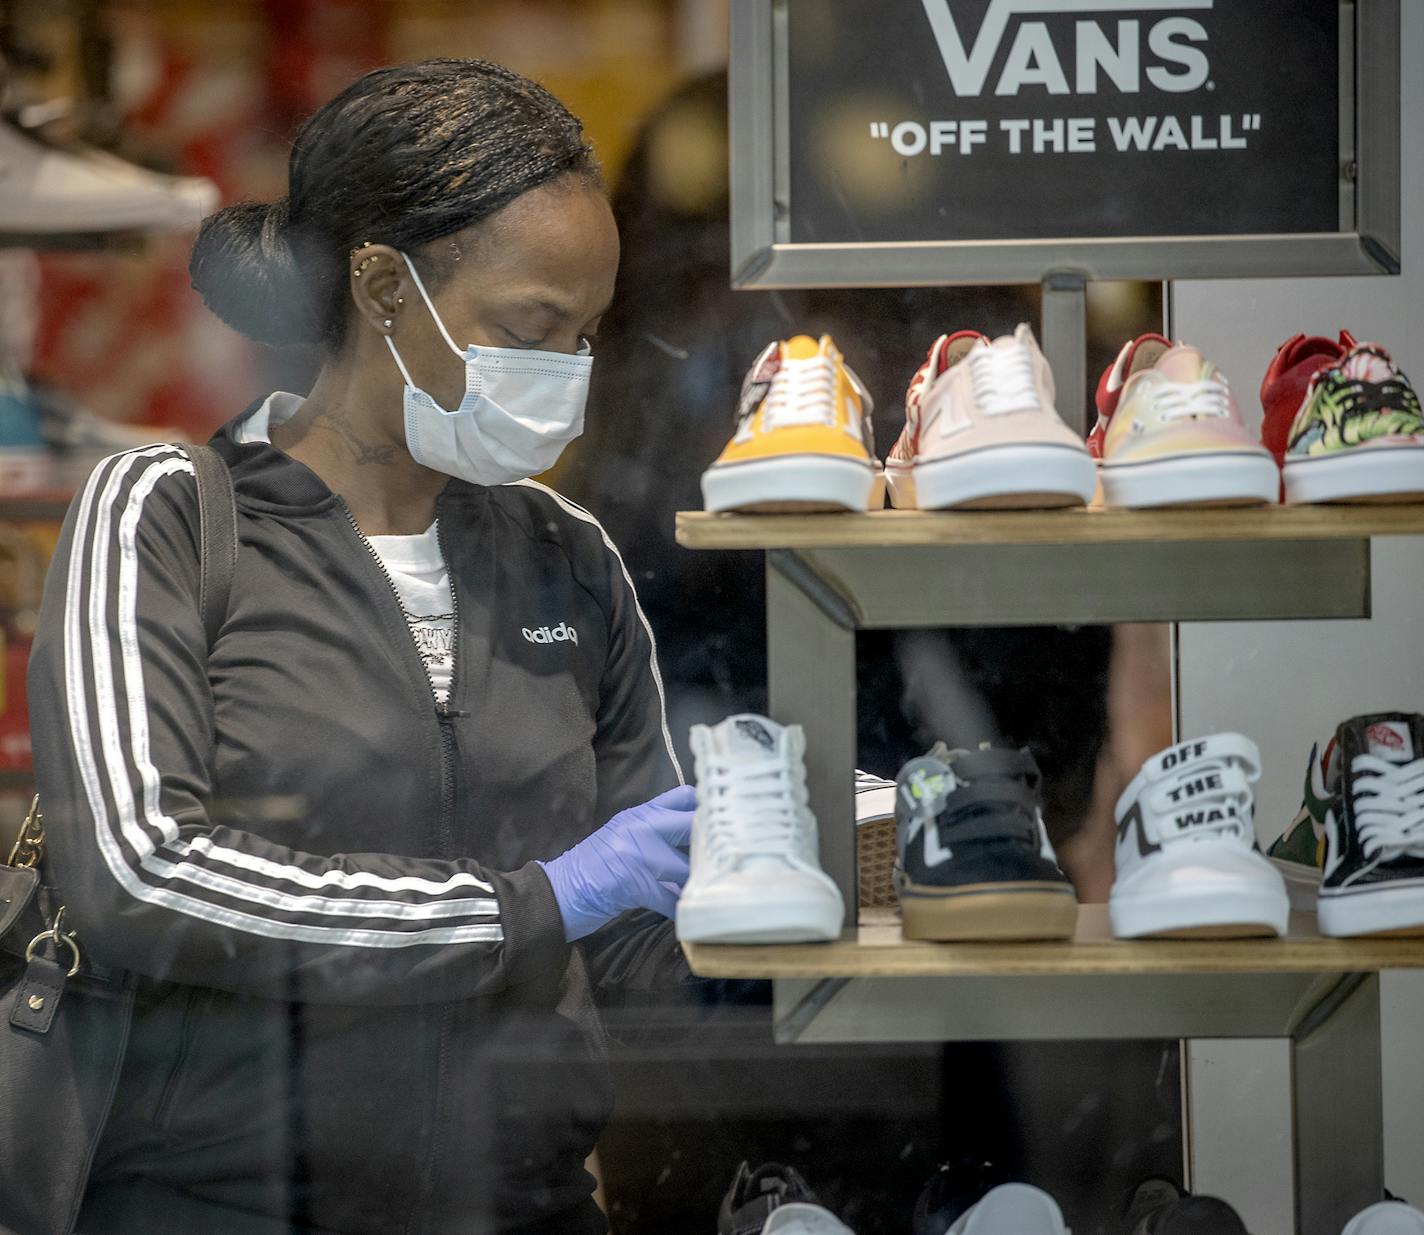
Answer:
(562, 633)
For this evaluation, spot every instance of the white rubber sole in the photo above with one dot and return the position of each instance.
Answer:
(800, 921)
(1013, 1208)
(792, 482)
(1028, 477)
(24, 468)
(1211, 912)
(1302, 884)
(1218, 479)
(1386, 1218)
(873, 805)
(1363, 474)
(1372, 911)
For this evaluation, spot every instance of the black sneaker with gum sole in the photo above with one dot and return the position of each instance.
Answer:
(974, 859)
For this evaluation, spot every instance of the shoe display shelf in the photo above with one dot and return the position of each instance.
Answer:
(40, 506)
(831, 575)
(77, 242)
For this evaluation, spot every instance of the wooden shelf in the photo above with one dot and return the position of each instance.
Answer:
(35, 507)
(1091, 525)
(880, 952)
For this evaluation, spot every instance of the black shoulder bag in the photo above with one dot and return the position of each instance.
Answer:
(59, 1069)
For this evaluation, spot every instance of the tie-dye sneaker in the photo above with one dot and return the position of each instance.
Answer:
(1299, 852)
(1174, 436)
(1359, 435)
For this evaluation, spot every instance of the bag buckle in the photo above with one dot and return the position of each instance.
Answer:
(29, 845)
(60, 938)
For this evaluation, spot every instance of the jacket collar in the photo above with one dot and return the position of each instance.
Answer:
(265, 476)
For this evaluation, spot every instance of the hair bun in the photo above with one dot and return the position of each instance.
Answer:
(245, 270)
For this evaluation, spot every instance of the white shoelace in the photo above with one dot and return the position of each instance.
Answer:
(1003, 379)
(803, 392)
(1195, 400)
(750, 810)
(1389, 809)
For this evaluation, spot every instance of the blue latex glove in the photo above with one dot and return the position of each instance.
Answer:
(634, 861)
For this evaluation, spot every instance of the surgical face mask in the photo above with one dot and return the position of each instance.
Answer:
(520, 409)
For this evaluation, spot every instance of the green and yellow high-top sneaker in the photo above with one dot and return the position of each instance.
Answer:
(1299, 852)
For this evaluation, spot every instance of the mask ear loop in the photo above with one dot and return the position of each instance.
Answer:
(425, 296)
(400, 364)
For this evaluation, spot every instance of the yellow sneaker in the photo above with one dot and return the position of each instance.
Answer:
(803, 439)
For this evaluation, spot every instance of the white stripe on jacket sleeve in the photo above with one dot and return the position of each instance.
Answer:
(155, 845)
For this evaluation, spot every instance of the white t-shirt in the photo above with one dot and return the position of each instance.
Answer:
(414, 563)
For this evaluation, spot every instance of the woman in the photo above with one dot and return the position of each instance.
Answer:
(346, 852)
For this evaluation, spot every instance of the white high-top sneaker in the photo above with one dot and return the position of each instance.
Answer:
(1187, 861)
(756, 876)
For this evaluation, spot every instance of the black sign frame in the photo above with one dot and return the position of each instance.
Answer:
(763, 255)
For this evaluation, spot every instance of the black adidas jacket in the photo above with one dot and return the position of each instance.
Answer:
(358, 1012)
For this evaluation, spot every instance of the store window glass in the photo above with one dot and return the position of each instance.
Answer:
(365, 742)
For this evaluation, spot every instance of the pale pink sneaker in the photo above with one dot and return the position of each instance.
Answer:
(1176, 439)
(981, 431)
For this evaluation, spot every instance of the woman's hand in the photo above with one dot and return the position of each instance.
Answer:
(634, 861)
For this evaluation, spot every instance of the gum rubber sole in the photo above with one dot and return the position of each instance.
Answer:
(1023, 501)
(1237, 930)
(986, 911)
(791, 508)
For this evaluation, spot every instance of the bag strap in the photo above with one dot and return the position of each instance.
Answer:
(217, 537)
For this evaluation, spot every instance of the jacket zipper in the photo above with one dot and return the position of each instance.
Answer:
(445, 716)
(446, 843)
(442, 710)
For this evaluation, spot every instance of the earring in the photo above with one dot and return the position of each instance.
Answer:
(389, 323)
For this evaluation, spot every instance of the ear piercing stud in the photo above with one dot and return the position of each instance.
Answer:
(389, 323)
(362, 267)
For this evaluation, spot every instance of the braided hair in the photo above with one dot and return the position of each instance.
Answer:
(403, 156)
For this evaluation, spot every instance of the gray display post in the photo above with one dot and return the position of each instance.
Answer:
(900, 143)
